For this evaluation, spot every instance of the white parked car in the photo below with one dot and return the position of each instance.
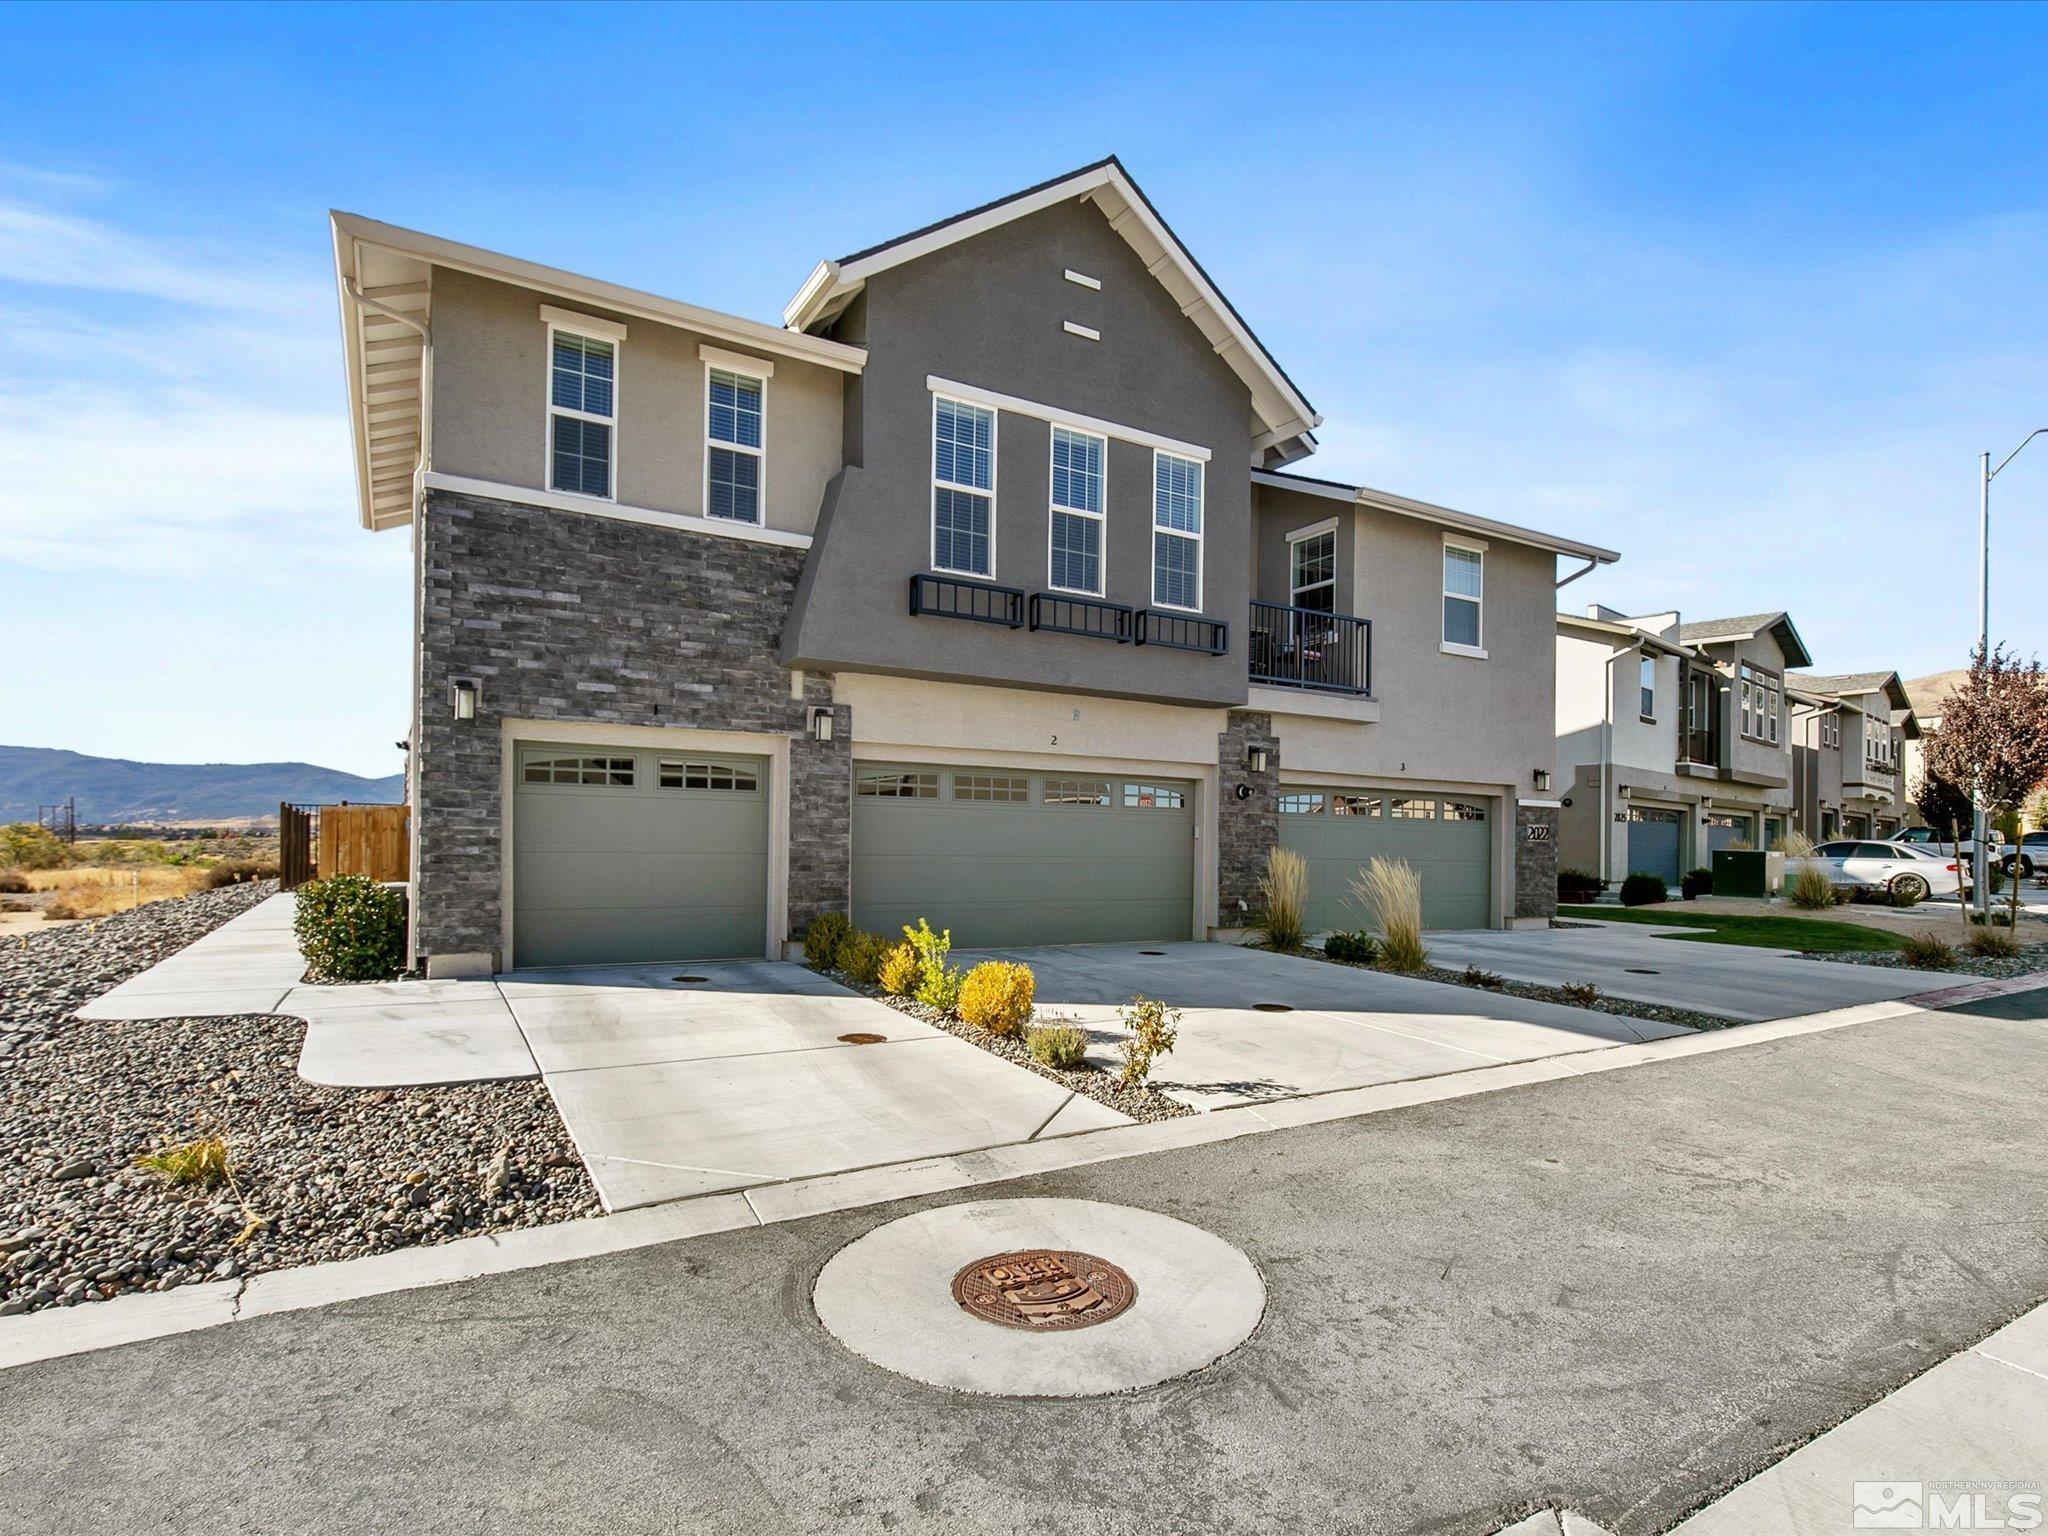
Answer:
(2031, 857)
(1899, 869)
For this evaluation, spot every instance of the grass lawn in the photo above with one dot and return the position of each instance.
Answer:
(1811, 933)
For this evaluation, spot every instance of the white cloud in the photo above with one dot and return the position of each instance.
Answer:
(45, 248)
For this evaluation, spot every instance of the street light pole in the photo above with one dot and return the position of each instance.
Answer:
(1980, 873)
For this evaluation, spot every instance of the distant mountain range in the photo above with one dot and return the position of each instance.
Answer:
(111, 790)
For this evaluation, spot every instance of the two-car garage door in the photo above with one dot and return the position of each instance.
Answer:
(1010, 856)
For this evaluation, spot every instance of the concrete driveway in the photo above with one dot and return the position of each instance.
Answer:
(1635, 960)
(680, 1080)
(1257, 1026)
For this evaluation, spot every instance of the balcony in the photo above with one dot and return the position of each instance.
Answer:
(1305, 648)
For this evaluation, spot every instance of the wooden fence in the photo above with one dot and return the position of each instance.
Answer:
(294, 845)
(362, 840)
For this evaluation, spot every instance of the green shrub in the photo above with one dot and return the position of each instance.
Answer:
(1152, 1030)
(1641, 890)
(14, 883)
(1582, 994)
(1475, 977)
(861, 956)
(1060, 1046)
(1927, 952)
(239, 872)
(1696, 883)
(350, 928)
(1358, 948)
(938, 984)
(1810, 889)
(1283, 900)
(996, 996)
(822, 939)
(1576, 887)
(29, 846)
(898, 975)
(1992, 944)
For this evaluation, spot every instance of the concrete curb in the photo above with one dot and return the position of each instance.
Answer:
(61, 1331)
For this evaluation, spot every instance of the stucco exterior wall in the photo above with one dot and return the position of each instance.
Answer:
(490, 406)
(990, 313)
(1276, 514)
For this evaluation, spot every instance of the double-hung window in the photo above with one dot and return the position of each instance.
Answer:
(963, 488)
(1647, 688)
(1464, 593)
(1312, 572)
(1076, 530)
(1760, 703)
(582, 413)
(733, 444)
(1176, 531)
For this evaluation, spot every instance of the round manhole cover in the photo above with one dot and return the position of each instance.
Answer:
(689, 978)
(1043, 1289)
(1271, 1008)
(1643, 970)
(862, 1037)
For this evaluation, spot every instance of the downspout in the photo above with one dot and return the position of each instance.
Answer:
(1608, 792)
(1591, 566)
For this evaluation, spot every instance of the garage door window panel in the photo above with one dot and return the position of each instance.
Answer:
(1404, 808)
(1153, 797)
(709, 776)
(993, 787)
(1077, 792)
(894, 784)
(1298, 804)
(595, 772)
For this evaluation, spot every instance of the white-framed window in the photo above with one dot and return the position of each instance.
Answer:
(1464, 598)
(963, 488)
(1759, 700)
(1312, 570)
(1176, 531)
(735, 443)
(583, 409)
(1646, 688)
(1075, 531)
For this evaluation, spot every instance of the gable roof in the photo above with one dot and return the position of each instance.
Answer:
(1838, 684)
(1283, 413)
(1634, 634)
(1748, 626)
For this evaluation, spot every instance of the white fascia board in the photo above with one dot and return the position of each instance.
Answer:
(1344, 493)
(1443, 517)
(351, 360)
(589, 290)
(1626, 632)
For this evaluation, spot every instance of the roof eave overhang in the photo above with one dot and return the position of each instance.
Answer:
(1284, 418)
(1625, 632)
(1449, 517)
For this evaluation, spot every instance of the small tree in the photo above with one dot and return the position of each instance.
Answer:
(1945, 806)
(1994, 735)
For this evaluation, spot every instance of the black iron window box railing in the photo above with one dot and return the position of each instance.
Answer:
(1182, 631)
(956, 597)
(1058, 614)
(1307, 648)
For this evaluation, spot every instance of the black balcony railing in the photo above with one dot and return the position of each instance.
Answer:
(1087, 616)
(1181, 631)
(953, 597)
(1304, 648)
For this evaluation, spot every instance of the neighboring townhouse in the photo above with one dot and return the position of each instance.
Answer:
(1673, 740)
(978, 591)
(1927, 697)
(1849, 735)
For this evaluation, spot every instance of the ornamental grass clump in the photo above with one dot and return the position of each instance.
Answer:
(1810, 889)
(1059, 1046)
(1927, 952)
(197, 1164)
(1794, 844)
(1283, 901)
(350, 928)
(1391, 891)
(996, 996)
(1992, 944)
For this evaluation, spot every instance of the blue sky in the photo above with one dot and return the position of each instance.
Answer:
(1739, 291)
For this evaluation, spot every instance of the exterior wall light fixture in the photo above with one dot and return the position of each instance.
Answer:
(465, 698)
(1542, 777)
(821, 723)
(1258, 759)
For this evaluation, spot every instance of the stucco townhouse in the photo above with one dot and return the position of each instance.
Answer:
(1673, 739)
(1849, 735)
(978, 589)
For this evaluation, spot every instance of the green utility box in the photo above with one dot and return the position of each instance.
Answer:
(1747, 872)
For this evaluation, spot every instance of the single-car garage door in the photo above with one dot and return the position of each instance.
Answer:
(621, 854)
(1447, 840)
(1725, 831)
(1007, 856)
(1653, 842)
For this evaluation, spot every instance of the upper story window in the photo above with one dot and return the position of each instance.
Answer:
(1176, 531)
(1312, 571)
(582, 411)
(1647, 688)
(1830, 731)
(1464, 595)
(733, 444)
(1758, 691)
(1075, 561)
(963, 488)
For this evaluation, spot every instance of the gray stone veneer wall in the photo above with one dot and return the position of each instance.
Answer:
(1246, 830)
(578, 618)
(1535, 862)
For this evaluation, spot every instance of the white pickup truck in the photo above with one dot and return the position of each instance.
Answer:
(2030, 856)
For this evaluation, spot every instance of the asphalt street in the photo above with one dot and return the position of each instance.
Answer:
(1619, 1293)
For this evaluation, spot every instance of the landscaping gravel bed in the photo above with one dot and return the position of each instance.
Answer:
(317, 1173)
(1627, 1007)
(46, 976)
(2030, 961)
(1139, 1103)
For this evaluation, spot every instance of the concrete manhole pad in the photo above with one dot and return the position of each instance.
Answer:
(1040, 1298)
